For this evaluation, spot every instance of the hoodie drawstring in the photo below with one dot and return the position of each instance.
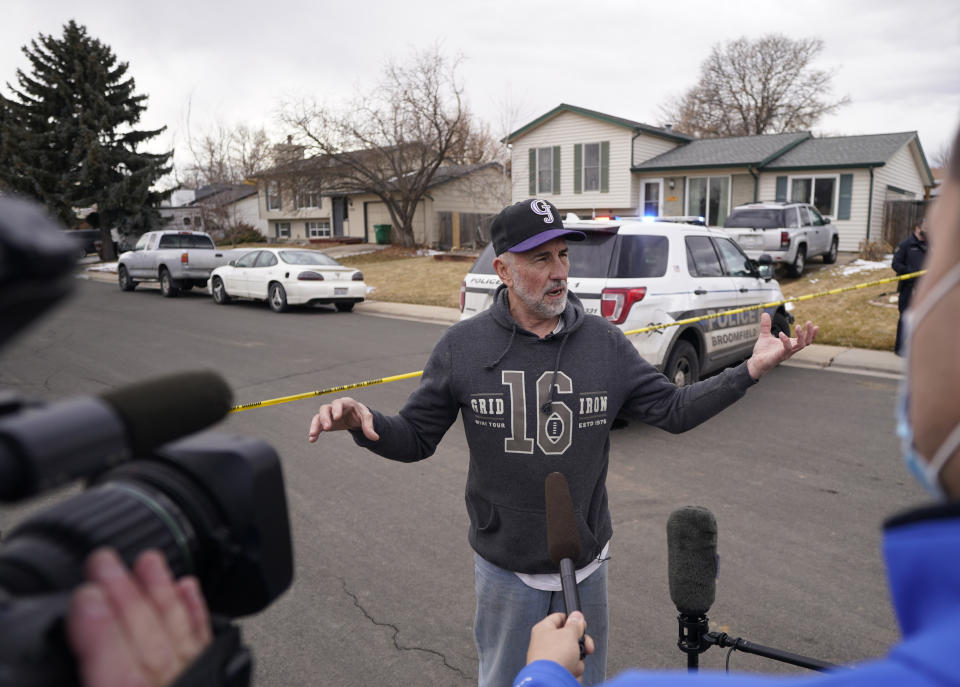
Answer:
(548, 406)
(513, 333)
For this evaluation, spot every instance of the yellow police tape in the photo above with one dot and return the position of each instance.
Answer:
(675, 323)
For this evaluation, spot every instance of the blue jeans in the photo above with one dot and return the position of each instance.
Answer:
(507, 609)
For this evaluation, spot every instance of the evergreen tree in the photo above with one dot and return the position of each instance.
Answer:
(68, 136)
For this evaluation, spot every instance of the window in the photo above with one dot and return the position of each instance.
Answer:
(702, 260)
(273, 195)
(307, 199)
(266, 259)
(737, 264)
(281, 229)
(318, 229)
(591, 166)
(248, 259)
(544, 170)
(818, 191)
(642, 256)
(186, 221)
(708, 197)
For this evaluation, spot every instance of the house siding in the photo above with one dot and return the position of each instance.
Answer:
(901, 172)
(850, 231)
(565, 130)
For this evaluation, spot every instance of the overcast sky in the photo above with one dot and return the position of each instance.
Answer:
(899, 62)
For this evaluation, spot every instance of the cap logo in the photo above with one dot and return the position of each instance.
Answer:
(540, 207)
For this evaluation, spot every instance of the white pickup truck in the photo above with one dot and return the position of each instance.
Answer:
(790, 233)
(179, 260)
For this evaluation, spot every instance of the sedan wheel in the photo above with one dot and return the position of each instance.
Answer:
(278, 298)
(220, 295)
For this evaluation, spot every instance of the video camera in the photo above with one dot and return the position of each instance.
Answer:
(212, 503)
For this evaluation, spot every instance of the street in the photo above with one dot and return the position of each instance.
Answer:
(799, 474)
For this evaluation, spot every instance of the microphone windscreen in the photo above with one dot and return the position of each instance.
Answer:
(157, 411)
(563, 538)
(692, 559)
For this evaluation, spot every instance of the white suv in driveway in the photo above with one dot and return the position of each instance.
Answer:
(637, 273)
(790, 233)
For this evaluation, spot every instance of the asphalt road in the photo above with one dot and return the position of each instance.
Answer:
(799, 474)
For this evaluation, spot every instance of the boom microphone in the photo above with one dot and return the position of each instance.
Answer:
(692, 559)
(51, 444)
(692, 571)
(563, 540)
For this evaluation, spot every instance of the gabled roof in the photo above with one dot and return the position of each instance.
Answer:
(736, 151)
(223, 193)
(610, 119)
(873, 150)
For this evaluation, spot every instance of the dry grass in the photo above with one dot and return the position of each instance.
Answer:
(399, 278)
(864, 318)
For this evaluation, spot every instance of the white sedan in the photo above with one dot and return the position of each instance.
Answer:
(285, 276)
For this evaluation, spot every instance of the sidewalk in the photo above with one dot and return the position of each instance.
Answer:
(835, 358)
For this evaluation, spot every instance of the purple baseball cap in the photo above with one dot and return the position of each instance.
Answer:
(525, 225)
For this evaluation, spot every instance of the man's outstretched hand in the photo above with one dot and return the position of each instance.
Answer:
(770, 351)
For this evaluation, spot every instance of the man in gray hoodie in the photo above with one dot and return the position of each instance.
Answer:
(538, 383)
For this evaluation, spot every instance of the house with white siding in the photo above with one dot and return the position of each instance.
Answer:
(297, 202)
(595, 164)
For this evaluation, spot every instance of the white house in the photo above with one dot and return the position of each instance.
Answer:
(597, 164)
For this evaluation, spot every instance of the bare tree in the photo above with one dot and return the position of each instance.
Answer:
(941, 156)
(226, 155)
(758, 86)
(391, 140)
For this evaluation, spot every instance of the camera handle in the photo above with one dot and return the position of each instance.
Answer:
(227, 662)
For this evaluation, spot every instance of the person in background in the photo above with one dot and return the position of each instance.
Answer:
(920, 545)
(908, 258)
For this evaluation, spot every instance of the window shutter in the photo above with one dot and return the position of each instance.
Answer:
(604, 166)
(578, 168)
(556, 169)
(533, 171)
(781, 189)
(846, 191)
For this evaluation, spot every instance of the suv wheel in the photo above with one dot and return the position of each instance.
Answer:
(683, 367)
(799, 262)
(780, 324)
(831, 257)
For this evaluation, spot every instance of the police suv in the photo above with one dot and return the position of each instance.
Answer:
(637, 273)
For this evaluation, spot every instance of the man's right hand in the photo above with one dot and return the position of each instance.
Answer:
(343, 413)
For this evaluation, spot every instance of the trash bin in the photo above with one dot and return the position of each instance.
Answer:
(382, 232)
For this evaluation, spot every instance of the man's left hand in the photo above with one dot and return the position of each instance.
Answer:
(770, 351)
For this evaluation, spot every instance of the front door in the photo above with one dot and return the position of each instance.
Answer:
(651, 198)
(339, 214)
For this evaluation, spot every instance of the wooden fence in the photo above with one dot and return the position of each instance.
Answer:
(464, 230)
(900, 217)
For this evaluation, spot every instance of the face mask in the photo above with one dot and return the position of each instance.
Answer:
(926, 472)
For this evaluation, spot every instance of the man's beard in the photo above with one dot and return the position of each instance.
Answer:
(536, 302)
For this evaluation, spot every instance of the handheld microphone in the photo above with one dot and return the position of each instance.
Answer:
(563, 540)
(692, 571)
(51, 444)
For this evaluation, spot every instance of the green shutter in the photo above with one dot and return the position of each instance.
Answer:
(846, 191)
(556, 169)
(533, 171)
(604, 166)
(782, 189)
(578, 168)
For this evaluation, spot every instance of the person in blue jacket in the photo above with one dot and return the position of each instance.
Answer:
(920, 546)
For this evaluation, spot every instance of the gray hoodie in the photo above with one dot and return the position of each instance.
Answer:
(533, 406)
